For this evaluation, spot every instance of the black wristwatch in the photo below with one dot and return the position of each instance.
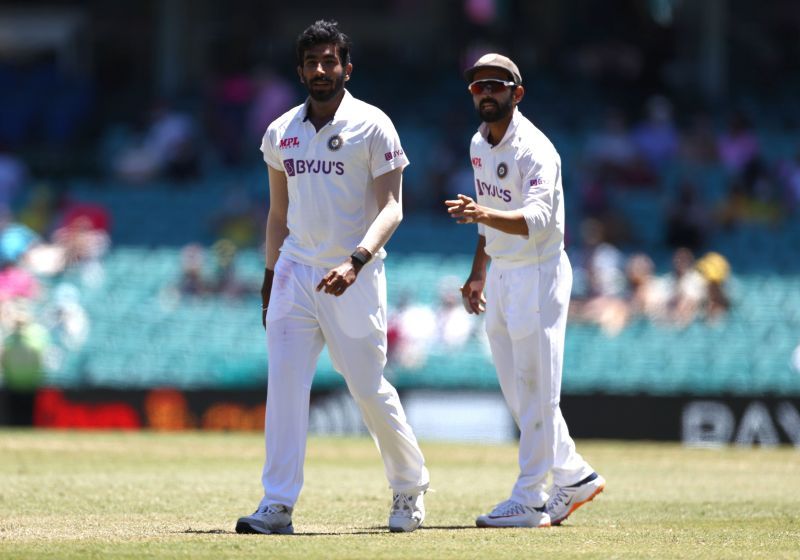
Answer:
(358, 257)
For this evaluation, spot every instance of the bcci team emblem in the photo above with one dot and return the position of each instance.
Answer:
(502, 170)
(335, 142)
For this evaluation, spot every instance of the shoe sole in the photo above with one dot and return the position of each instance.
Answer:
(579, 504)
(396, 529)
(245, 528)
(485, 525)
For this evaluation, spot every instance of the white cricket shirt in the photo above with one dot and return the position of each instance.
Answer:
(523, 171)
(329, 176)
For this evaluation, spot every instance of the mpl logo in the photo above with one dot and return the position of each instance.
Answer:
(293, 142)
(391, 155)
(476, 162)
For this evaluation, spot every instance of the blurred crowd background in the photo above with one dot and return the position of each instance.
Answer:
(133, 196)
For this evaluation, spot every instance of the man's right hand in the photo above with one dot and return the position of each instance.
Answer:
(266, 288)
(472, 296)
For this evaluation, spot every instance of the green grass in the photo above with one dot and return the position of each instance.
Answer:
(101, 495)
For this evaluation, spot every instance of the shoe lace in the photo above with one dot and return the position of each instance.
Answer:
(271, 509)
(559, 497)
(402, 503)
(509, 507)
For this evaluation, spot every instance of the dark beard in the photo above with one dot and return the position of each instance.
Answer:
(492, 113)
(338, 85)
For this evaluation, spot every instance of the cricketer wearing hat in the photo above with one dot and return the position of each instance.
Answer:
(519, 210)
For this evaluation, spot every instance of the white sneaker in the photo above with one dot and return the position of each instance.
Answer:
(407, 513)
(514, 514)
(566, 499)
(267, 520)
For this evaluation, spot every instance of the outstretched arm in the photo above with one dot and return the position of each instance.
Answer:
(466, 211)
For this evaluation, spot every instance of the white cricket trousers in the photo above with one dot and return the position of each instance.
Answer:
(300, 321)
(526, 321)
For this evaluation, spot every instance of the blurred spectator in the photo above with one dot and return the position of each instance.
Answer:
(739, 145)
(229, 104)
(84, 240)
(13, 175)
(648, 294)
(454, 324)
(687, 288)
(413, 330)
(687, 219)
(65, 318)
(240, 219)
(22, 365)
(191, 282)
(612, 156)
(16, 282)
(789, 175)
(715, 270)
(699, 142)
(599, 281)
(741, 207)
(40, 208)
(169, 148)
(795, 359)
(599, 264)
(656, 137)
(15, 241)
(226, 282)
(272, 97)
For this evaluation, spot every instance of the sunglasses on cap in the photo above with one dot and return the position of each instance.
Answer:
(489, 86)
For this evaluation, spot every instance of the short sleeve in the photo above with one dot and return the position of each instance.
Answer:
(268, 148)
(385, 151)
(538, 190)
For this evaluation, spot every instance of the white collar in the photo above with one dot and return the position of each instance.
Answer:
(516, 117)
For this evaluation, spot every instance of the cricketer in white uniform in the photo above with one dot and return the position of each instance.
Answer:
(519, 209)
(335, 165)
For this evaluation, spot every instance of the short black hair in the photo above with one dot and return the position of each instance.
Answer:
(324, 32)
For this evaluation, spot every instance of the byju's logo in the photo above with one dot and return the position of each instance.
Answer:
(316, 166)
(391, 155)
(485, 189)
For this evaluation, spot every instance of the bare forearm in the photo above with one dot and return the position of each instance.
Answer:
(507, 221)
(382, 228)
(466, 211)
(277, 231)
(480, 261)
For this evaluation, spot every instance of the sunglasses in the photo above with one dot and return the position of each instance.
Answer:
(489, 86)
